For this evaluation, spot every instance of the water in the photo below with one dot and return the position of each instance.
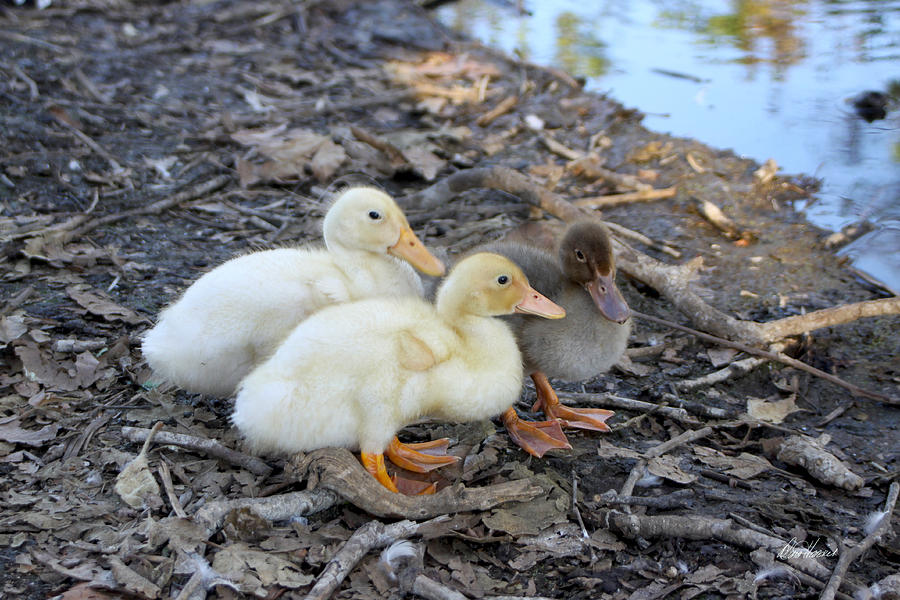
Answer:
(765, 78)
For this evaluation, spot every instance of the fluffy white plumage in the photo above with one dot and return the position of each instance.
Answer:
(353, 375)
(234, 317)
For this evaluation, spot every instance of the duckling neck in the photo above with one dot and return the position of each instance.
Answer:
(374, 274)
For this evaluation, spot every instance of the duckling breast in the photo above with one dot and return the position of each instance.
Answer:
(579, 347)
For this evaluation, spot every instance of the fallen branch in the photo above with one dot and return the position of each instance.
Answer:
(706, 528)
(811, 455)
(610, 200)
(432, 590)
(640, 237)
(368, 537)
(679, 499)
(337, 470)
(735, 369)
(637, 471)
(720, 220)
(501, 109)
(206, 446)
(272, 508)
(848, 555)
(589, 167)
(776, 356)
(828, 317)
(673, 281)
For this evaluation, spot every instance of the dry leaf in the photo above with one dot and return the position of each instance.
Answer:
(135, 483)
(290, 151)
(12, 327)
(530, 518)
(424, 162)
(98, 303)
(667, 467)
(84, 591)
(328, 158)
(771, 412)
(720, 356)
(744, 466)
(13, 433)
(131, 581)
(253, 571)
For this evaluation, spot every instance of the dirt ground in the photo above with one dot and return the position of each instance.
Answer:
(144, 143)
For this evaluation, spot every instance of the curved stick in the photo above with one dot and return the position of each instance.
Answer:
(337, 470)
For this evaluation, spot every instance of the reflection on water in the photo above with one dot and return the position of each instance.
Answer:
(767, 78)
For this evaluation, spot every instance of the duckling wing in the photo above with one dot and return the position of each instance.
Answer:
(413, 354)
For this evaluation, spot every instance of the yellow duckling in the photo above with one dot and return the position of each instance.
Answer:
(234, 317)
(353, 375)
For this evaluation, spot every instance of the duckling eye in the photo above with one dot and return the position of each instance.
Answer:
(579, 255)
(374, 215)
(503, 280)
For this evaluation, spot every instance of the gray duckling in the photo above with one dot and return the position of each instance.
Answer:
(592, 337)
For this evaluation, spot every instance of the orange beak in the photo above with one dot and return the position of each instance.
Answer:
(413, 251)
(538, 304)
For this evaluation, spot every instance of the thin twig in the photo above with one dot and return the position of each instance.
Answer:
(678, 414)
(679, 499)
(503, 107)
(610, 200)
(373, 534)
(432, 590)
(637, 471)
(204, 445)
(778, 357)
(191, 193)
(166, 477)
(640, 237)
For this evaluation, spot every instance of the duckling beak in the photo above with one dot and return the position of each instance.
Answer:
(538, 304)
(608, 298)
(413, 251)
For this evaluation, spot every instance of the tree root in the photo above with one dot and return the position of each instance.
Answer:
(337, 470)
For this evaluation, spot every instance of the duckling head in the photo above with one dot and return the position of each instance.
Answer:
(367, 219)
(487, 285)
(586, 256)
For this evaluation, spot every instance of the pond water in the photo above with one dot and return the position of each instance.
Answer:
(765, 78)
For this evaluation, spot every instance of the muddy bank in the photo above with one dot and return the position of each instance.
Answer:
(143, 145)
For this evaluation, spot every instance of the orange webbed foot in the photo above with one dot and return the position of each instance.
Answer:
(534, 437)
(593, 419)
(420, 457)
(374, 464)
